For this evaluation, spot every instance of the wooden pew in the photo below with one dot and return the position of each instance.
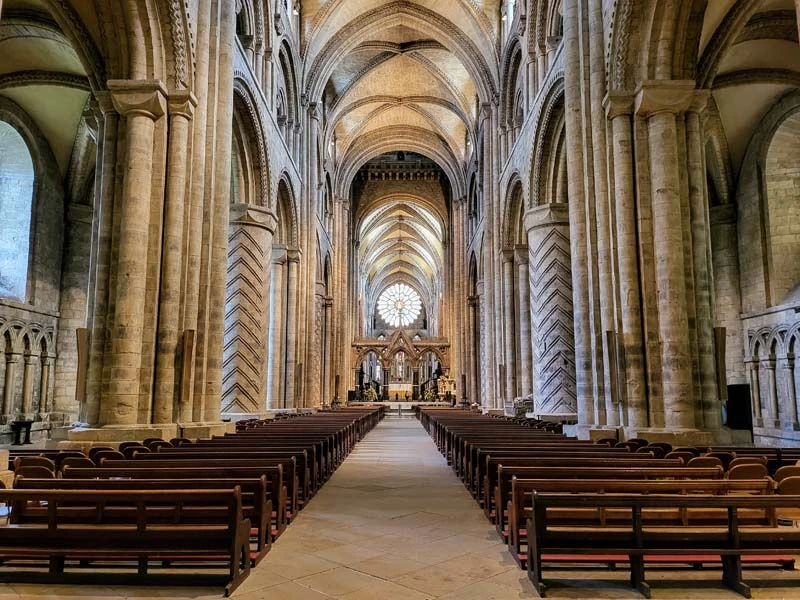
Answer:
(569, 462)
(124, 530)
(507, 472)
(287, 464)
(256, 506)
(520, 502)
(639, 540)
(276, 491)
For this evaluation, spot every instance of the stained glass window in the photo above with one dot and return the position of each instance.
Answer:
(399, 305)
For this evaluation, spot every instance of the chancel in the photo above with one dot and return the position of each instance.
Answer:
(399, 298)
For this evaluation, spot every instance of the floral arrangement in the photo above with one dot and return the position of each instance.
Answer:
(429, 395)
(370, 395)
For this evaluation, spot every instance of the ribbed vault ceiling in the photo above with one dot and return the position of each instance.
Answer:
(401, 75)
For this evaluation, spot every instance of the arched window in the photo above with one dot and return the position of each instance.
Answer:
(16, 197)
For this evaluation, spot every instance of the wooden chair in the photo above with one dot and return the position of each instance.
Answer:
(691, 449)
(36, 471)
(180, 441)
(77, 462)
(667, 447)
(108, 455)
(725, 457)
(631, 446)
(656, 451)
(607, 441)
(639, 442)
(685, 456)
(93, 451)
(787, 471)
(705, 461)
(748, 460)
(752, 471)
(34, 461)
(124, 445)
(154, 445)
(130, 451)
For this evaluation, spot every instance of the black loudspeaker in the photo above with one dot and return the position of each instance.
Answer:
(739, 407)
(351, 396)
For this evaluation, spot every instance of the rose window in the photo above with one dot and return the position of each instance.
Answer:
(399, 305)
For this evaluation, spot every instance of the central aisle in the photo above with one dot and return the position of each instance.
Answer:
(394, 522)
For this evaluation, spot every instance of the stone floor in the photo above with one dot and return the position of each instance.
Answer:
(394, 523)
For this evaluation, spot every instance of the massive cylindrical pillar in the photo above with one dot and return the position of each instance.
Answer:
(244, 381)
(659, 104)
(181, 107)
(552, 322)
(142, 103)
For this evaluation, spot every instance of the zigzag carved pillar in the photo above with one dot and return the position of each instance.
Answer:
(552, 320)
(244, 381)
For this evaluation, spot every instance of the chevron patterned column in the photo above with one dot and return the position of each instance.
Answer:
(244, 381)
(552, 322)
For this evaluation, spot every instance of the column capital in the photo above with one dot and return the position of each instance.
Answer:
(546, 215)
(131, 97)
(521, 254)
(314, 111)
(508, 255)
(104, 102)
(253, 216)
(181, 103)
(670, 96)
(293, 255)
(618, 104)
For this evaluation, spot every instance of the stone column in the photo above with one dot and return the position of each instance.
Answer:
(292, 265)
(141, 103)
(509, 325)
(226, 40)
(791, 410)
(102, 291)
(727, 291)
(755, 392)
(618, 110)
(772, 390)
(275, 353)
(27, 384)
(327, 356)
(472, 367)
(181, 107)
(44, 386)
(548, 228)
(244, 377)
(578, 269)
(525, 366)
(10, 383)
(658, 103)
(702, 269)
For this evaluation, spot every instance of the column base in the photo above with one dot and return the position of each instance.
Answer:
(676, 437)
(113, 435)
(195, 431)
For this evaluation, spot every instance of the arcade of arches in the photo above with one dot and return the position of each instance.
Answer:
(214, 209)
